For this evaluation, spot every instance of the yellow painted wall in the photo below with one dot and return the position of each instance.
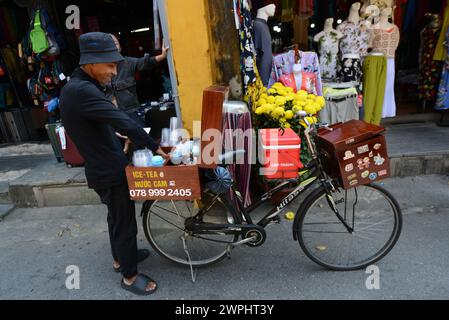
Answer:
(190, 47)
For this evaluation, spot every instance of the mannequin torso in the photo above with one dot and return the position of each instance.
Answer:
(262, 42)
(356, 34)
(328, 42)
(386, 35)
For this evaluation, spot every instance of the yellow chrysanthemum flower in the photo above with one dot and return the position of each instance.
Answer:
(321, 101)
(280, 101)
(289, 115)
(261, 102)
(271, 99)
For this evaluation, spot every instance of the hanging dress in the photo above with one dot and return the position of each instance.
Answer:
(443, 93)
(430, 73)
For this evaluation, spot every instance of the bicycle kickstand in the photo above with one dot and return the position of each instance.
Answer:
(192, 271)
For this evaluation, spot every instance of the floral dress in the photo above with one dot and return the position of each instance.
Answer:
(328, 44)
(430, 72)
(443, 93)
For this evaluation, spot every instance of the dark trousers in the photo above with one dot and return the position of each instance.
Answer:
(122, 227)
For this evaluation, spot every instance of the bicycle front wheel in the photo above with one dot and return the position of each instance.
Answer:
(164, 224)
(371, 211)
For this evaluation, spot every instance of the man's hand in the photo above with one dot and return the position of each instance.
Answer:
(128, 142)
(162, 154)
(163, 55)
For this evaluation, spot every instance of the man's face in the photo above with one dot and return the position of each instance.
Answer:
(103, 72)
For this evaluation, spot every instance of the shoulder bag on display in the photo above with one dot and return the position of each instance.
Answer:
(38, 36)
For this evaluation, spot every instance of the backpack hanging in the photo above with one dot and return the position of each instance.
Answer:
(38, 36)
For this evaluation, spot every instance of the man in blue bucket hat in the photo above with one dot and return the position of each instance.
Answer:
(92, 121)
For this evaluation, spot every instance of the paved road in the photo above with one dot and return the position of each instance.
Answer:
(36, 246)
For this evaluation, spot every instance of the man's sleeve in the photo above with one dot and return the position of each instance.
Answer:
(145, 63)
(96, 107)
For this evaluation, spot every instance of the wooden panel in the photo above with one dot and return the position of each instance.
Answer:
(349, 133)
(212, 118)
(224, 44)
(164, 183)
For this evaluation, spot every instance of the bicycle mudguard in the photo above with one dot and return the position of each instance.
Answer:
(304, 205)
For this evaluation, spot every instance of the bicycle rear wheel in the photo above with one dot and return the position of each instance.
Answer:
(370, 210)
(164, 227)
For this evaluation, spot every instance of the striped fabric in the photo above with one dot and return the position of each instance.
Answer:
(234, 140)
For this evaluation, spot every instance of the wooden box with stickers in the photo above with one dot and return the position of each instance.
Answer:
(355, 153)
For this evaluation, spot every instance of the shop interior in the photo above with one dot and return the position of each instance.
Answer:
(417, 76)
(30, 83)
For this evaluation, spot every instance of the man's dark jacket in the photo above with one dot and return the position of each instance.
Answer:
(124, 86)
(91, 120)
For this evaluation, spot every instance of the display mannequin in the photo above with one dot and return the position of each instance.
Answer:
(386, 38)
(262, 42)
(430, 70)
(353, 46)
(328, 43)
(381, 4)
(363, 8)
(356, 34)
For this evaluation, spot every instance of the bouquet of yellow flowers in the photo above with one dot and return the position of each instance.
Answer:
(278, 106)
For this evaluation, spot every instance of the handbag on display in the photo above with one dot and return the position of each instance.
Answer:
(38, 36)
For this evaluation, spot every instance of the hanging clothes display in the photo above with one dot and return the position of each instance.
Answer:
(430, 70)
(235, 125)
(341, 105)
(387, 42)
(287, 10)
(328, 46)
(443, 93)
(441, 49)
(263, 46)
(375, 79)
(283, 66)
(389, 105)
(353, 48)
(399, 12)
(247, 58)
(350, 69)
(305, 8)
(310, 63)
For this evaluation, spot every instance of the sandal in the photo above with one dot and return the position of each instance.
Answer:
(142, 254)
(139, 286)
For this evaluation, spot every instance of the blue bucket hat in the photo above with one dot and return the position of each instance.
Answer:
(98, 47)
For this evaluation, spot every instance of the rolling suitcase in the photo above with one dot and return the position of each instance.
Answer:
(70, 152)
(54, 140)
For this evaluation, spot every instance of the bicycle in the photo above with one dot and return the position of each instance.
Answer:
(341, 230)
